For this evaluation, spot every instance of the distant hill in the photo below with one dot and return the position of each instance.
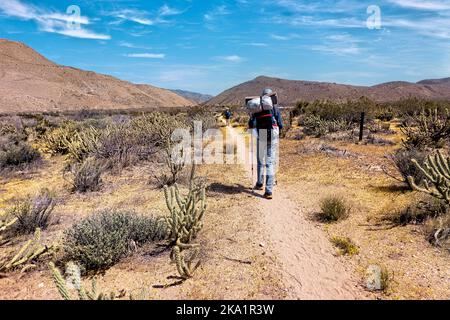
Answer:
(193, 96)
(29, 82)
(291, 91)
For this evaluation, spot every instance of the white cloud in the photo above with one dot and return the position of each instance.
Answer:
(165, 10)
(433, 27)
(49, 21)
(423, 5)
(232, 58)
(146, 55)
(144, 17)
(284, 37)
(216, 12)
(257, 44)
(338, 44)
(278, 37)
(137, 16)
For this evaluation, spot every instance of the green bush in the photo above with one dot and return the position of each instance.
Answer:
(33, 212)
(101, 240)
(333, 208)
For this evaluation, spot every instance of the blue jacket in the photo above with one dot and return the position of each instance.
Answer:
(252, 123)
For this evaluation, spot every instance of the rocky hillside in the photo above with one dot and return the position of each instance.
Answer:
(194, 96)
(31, 83)
(291, 91)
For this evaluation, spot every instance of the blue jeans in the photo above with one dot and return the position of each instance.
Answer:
(266, 160)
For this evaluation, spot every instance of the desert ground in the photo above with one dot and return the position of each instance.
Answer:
(251, 248)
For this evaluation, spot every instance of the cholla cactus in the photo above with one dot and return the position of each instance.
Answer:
(5, 223)
(185, 220)
(436, 170)
(30, 251)
(186, 266)
(73, 281)
(184, 223)
(430, 128)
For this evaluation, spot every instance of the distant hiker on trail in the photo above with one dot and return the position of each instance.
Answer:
(266, 119)
(227, 114)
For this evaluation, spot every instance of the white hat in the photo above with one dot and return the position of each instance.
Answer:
(267, 91)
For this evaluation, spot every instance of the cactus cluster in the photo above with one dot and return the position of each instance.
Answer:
(72, 140)
(5, 224)
(436, 170)
(184, 223)
(429, 129)
(28, 254)
(72, 282)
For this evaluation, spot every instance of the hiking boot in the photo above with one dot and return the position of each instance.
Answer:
(259, 186)
(268, 196)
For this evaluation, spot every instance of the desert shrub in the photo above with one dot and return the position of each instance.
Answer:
(438, 231)
(203, 114)
(333, 208)
(384, 114)
(418, 212)
(405, 167)
(300, 108)
(33, 212)
(101, 240)
(240, 119)
(287, 119)
(349, 111)
(159, 125)
(313, 126)
(17, 154)
(15, 151)
(379, 127)
(428, 129)
(375, 140)
(86, 176)
(345, 246)
(316, 126)
(119, 145)
(162, 126)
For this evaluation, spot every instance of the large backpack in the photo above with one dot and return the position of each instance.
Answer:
(259, 104)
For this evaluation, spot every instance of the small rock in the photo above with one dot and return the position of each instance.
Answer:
(373, 278)
(262, 244)
(41, 285)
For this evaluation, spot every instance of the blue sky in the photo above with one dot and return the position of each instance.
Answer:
(209, 46)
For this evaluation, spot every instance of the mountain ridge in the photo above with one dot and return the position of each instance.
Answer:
(195, 97)
(292, 91)
(29, 82)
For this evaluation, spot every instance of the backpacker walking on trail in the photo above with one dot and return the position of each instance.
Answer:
(227, 115)
(266, 119)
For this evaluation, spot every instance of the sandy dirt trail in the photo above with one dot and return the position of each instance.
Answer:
(307, 260)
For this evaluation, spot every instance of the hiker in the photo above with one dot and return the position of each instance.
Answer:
(227, 114)
(268, 124)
